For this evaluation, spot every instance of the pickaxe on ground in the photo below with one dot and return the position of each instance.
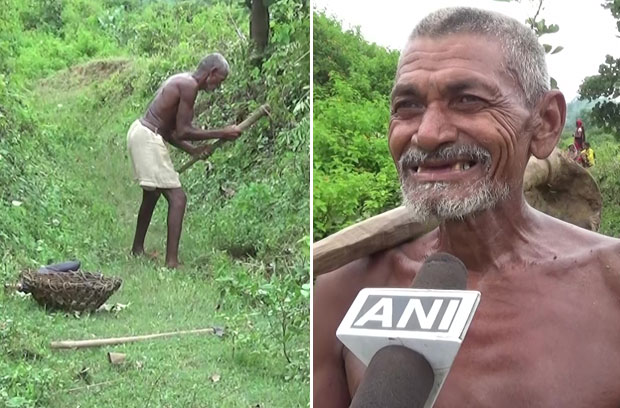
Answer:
(243, 126)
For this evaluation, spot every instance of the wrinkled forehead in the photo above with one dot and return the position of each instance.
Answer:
(467, 51)
(454, 58)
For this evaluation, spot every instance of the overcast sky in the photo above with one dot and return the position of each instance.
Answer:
(587, 32)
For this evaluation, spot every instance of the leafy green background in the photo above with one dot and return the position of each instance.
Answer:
(353, 174)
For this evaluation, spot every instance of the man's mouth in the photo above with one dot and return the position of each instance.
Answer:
(450, 164)
(444, 167)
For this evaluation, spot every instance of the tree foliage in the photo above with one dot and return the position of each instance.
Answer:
(604, 88)
(541, 28)
(354, 176)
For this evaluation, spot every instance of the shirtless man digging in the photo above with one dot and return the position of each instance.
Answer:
(471, 103)
(169, 118)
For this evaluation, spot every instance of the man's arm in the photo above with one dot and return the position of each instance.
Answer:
(186, 146)
(190, 148)
(333, 294)
(185, 113)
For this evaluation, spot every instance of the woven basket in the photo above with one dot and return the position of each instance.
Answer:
(70, 291)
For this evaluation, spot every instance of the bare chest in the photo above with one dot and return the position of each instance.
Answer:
(533, 350)
(162, 115)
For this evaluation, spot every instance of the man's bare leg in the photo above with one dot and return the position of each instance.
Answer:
(149, 201)
(176, 210)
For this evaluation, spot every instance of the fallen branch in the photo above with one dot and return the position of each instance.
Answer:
(148, 401)
(73, 344)
(263, 110)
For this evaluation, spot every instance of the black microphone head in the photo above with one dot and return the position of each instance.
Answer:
(396, 377)
(441, 271)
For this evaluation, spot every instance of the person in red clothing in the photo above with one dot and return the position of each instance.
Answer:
(580, 135)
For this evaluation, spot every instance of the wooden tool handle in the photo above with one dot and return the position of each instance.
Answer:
(254, 117)
(68, 344)
(365, 238)
(243, 126)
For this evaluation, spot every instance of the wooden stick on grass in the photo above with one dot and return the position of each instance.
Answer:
(263, 110)
(89, 386)
(72, 344)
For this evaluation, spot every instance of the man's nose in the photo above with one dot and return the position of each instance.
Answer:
(434, 130)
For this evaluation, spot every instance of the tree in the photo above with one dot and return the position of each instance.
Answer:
(541, 28)
(259, 23)
(604, 88)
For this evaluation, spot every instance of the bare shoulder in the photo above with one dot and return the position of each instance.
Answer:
(335, 291)
(375, 270)
(334, 288)
(333, 294)
(598, 254)
(604, 256)
(577, 240)
(392, 267)
(183, 83)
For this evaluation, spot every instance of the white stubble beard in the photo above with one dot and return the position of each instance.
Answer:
(447, 200)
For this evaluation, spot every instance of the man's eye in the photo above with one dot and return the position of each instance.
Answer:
(469, 99)
(407, 108)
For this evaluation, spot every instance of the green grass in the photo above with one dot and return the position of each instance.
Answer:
(169, 372)
(606, 172)
(89, 204)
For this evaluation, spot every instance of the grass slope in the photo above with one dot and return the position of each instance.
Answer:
(90, 200)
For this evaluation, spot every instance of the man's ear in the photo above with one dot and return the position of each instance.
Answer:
(551, 112)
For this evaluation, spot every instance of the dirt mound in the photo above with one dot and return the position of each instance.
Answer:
(100, 68)
(84, 74)
(563, 189)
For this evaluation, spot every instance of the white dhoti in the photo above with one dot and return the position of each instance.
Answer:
(152, 166)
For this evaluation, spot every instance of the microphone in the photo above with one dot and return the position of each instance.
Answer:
(409, 338)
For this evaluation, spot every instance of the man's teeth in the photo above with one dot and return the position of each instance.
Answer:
(461, 166)
(458, 166)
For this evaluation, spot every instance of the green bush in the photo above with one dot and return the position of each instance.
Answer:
(607, 174)
(354, 175)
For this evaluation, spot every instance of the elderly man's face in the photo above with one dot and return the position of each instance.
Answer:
(457, 130)
(214, 80)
